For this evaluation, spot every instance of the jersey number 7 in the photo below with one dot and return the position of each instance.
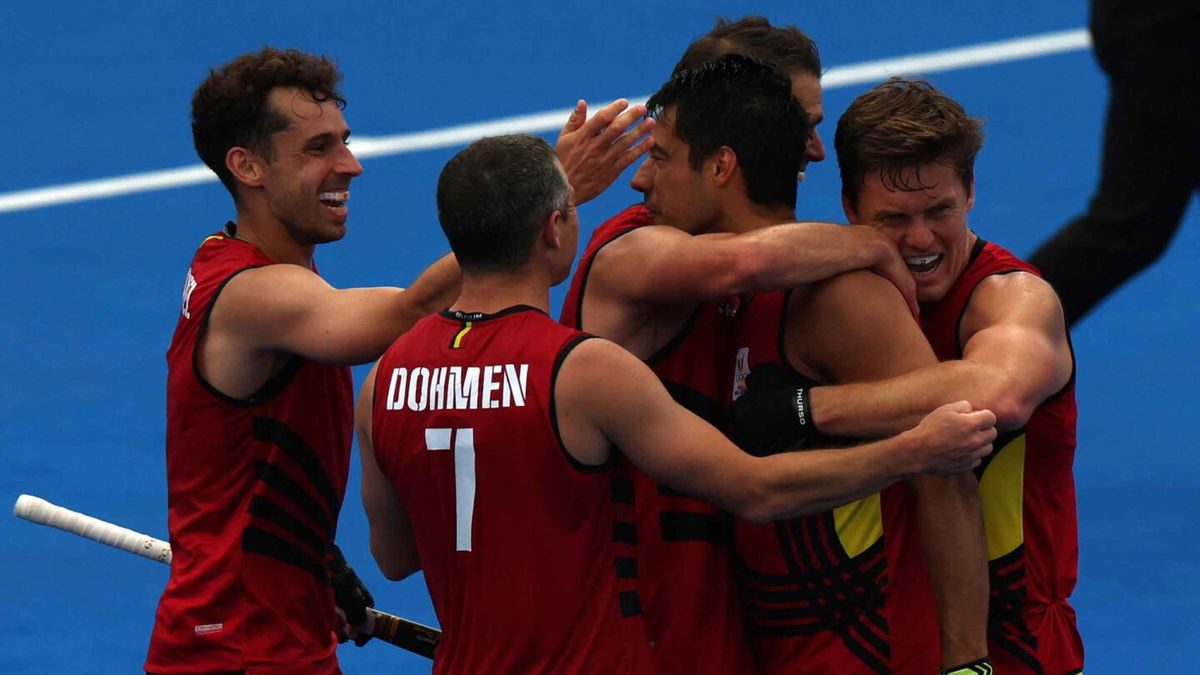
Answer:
(463, 443)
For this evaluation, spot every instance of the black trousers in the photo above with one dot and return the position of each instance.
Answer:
(1150, 167)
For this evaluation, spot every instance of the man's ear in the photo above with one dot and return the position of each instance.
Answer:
(849, 210)
(971, 194)
(245, 166)
(551, 233)
(722, 165)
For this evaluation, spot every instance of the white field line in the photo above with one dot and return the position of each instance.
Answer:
(867, 72)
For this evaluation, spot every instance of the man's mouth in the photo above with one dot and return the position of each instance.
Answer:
(924, 264)
(335, 201)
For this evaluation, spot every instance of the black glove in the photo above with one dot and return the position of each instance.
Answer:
(981, 667)
(349, 592)
(774, 414)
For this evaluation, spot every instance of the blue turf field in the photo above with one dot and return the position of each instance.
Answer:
(91, 289)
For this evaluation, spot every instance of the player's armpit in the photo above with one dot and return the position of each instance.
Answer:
(391, 536)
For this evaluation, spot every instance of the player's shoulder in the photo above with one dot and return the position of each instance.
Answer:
(259, 293)
(1013, 288)
(643, 238)
(1018, 298)
(590, 360)
(860, 289)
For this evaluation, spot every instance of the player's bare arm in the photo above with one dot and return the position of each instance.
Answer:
(636, 277)
(1015, 355)
(595, 151)
(606, 398)
(854, 328)
(391, 535)
(264, 315)
(663, 265)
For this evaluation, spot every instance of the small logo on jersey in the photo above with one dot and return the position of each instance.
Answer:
(741, 369)
(189, 285)
(730, 306)
(209, 628)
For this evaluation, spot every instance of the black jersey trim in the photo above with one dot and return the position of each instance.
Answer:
(781, 343)
(474, 317)
(625, 532)
(269, 389)
(584, 273)
(622, 490)
(299, 451)
(288, 487)
(271, 512)
(571, 459)
(690, 526)
(627, 568)
(255, 540)
(976, 251)
(666, 350)
(1002, 441)
(631, 604)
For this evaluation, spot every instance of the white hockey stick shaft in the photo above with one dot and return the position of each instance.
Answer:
(38, 510)
(415, 637)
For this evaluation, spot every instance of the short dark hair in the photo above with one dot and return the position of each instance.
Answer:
(230, 109)
(787, 47)
(899, 126)
(747, 105)
(493, 197)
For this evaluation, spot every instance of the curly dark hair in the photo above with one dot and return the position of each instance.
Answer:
(230, 109)
(898, 127)
(747, 105)
(787, 47)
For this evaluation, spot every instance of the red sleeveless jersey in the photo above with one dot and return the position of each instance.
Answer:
(519, 541)
(692, 611)
(254, 490)
(1028, 494)
(818, 589)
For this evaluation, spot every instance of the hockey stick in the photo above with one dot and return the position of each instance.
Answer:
(415, 637)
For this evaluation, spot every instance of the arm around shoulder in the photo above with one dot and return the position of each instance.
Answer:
(290, 308)
(665, 265)
(605, 397)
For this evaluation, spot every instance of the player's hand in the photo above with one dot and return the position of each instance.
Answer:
(954, 438)
(891, 266)
(595, 151)
(352, 598)
(979, 667)
(774, 414)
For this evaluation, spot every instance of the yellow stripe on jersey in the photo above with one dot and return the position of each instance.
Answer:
(1000, 491)
(458, 338)
(210, 238)
(859, 524)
